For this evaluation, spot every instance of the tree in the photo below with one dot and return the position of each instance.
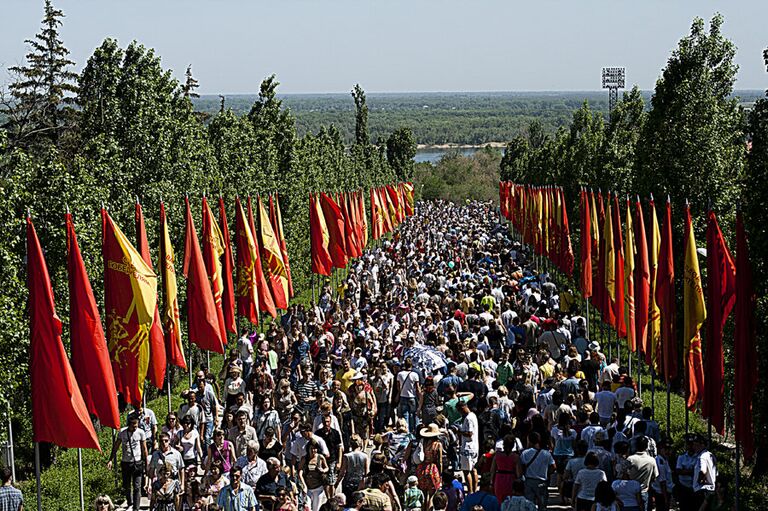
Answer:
(692, 144)
(618, 170)
(514, 162)
(401, 148)
(41, 87)
(755, 204)
(362, 137)
(190, 84)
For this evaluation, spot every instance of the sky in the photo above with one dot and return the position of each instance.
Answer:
(321, 46)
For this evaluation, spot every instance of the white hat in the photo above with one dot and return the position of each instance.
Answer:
(358, 376)
(594, 345)
(430, 431)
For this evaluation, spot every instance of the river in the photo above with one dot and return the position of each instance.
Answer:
(433, 154)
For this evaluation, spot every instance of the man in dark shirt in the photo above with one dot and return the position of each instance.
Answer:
(269, 483)
(475, 386)
(335, 449)
(591, 368)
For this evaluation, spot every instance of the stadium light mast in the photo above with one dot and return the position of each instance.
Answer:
(613, 80)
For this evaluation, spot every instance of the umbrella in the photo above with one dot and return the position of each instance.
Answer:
(425, 358)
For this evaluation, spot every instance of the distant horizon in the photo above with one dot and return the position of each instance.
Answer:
(372, 92)
(396, 46)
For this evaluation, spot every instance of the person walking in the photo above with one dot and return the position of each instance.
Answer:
(11, 498)
(133, 463)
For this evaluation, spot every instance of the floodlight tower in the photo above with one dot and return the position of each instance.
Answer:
(613, 80)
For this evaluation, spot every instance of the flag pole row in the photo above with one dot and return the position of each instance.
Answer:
(631, 281)
(140, 339)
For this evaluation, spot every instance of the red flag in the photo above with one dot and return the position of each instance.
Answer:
(601, 293)
(621, 325)
(642, 283)
(266, 303)
(247, 292)
(665, 297)
(213, 249)
(744, 343)
(173, 347)
(202, 318)
(565, 239)
(586, 247)
(721, 296)
(503, 191)
(90, 356)
(608, 256)
(388, 209)
(228, 263)
(277, 224)
(59, 414)
(334, 220)
(157, 361)
(349, 235)
(319, 238)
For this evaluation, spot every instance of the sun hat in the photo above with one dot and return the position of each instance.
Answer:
(430, 431)
(358, 376)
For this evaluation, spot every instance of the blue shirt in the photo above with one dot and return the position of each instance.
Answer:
(487, 500)
(10, 498)
(243, 500)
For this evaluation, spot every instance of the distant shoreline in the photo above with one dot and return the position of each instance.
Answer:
(423, 147)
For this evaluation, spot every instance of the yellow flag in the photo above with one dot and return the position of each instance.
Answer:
(695, 312)
(654, 315)
(173, 345)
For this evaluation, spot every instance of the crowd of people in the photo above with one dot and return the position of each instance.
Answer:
(444, 372)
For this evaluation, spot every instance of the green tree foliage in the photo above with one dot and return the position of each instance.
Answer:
(692, 145)
(514, 162)
(361, 117)
(401, 148)
(42, 87)
(459, 178)
(620, 145)
(755, 205)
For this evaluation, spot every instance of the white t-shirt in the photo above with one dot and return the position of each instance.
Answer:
(246, 349)
(587, 479)
(624, 394)
(588, 435)
(705, 463)
(188, 450)
(471, 444)
(626, 491)
(605, 400)
(407, 380)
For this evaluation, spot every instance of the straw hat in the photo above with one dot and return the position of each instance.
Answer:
(430, 431)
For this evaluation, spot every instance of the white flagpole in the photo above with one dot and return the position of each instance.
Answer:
(80, 477)
(10, 445)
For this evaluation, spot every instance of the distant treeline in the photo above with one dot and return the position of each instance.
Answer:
(436, 118)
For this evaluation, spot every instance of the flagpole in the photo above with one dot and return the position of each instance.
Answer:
(737, 476)
(587, 300)
(10, 443)
(37, 475)
(639, 374)
(80, 477)
(653, 391)
(669, 402)
(168, 384)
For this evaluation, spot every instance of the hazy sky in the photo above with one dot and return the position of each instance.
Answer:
(397, 45)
